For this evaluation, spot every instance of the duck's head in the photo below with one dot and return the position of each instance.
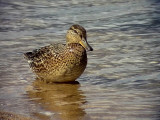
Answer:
(77, 34)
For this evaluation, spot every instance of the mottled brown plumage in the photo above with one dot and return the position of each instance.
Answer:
(61, 62)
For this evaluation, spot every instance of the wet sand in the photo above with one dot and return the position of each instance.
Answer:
(12, 116)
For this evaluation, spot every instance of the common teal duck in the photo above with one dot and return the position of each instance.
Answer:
(61, 62)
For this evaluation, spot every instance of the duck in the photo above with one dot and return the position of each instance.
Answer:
(61, 63)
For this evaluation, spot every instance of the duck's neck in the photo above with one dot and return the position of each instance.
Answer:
(76, 46)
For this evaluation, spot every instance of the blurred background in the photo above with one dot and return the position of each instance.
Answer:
(122, 78)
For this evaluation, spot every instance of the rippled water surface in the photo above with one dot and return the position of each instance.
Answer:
(122, 79)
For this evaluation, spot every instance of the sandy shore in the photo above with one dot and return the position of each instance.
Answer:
(12, 116)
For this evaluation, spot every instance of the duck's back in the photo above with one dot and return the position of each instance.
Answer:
(58, 62)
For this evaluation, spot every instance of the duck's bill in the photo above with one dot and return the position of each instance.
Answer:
(85, 44)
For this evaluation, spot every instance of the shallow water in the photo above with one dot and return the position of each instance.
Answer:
(122, 78)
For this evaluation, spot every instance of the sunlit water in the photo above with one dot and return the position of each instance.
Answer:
(122, 79)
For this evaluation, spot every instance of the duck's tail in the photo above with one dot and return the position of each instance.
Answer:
(29, 55)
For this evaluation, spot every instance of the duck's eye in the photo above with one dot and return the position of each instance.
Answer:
(75, 31)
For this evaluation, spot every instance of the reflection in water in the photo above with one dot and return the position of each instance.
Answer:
(63, 99)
